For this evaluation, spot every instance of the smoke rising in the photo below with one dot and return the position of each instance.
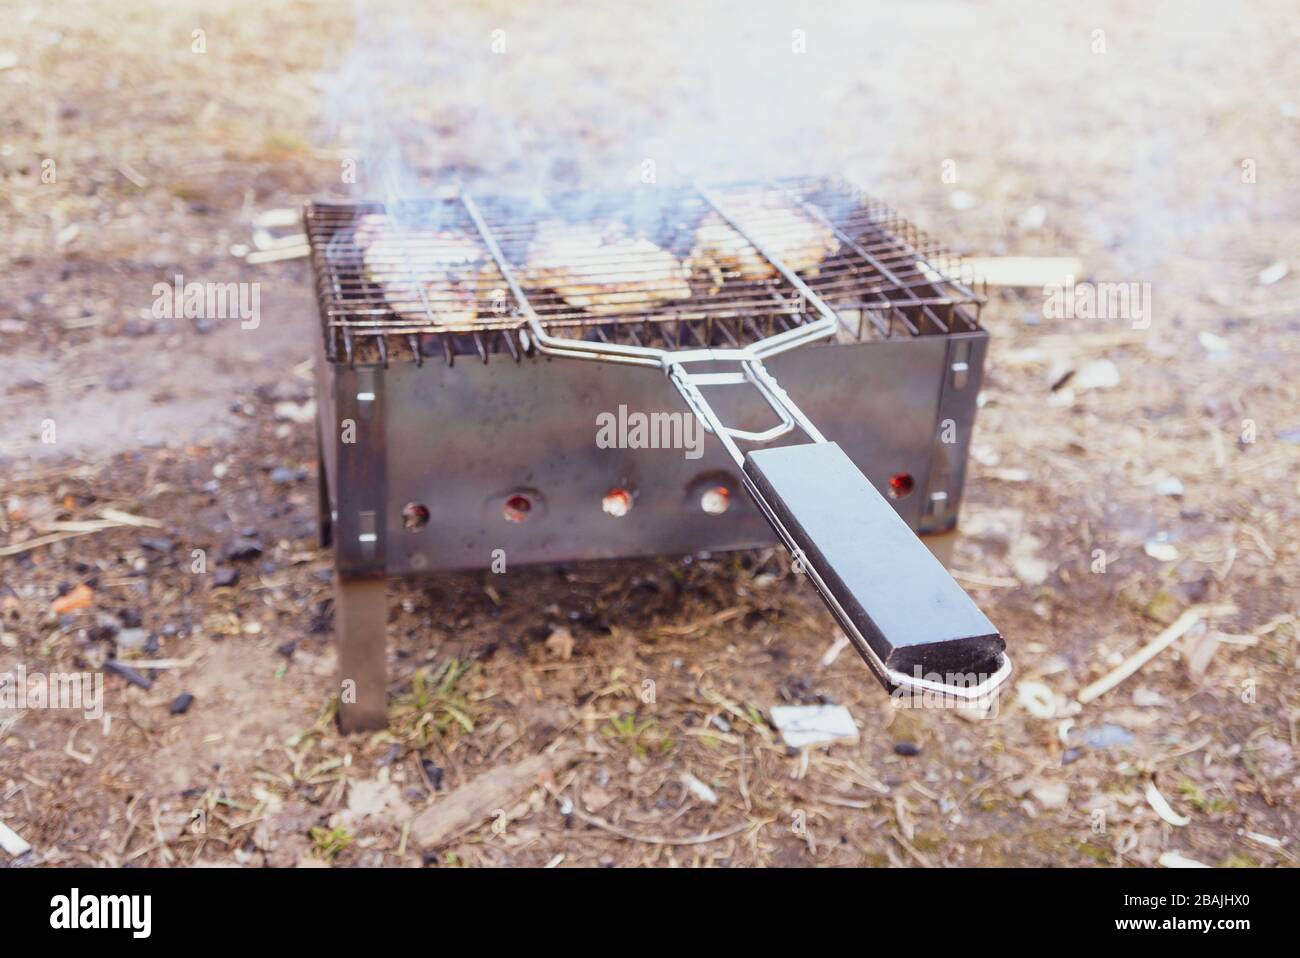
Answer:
(491, 95)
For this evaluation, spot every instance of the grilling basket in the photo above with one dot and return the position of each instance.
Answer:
(709, 286)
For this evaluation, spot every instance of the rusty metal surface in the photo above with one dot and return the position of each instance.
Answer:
(459, 435)
(460, 439)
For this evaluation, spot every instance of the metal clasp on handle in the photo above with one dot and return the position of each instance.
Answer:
(983, 690)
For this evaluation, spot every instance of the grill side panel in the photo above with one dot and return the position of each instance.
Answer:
(462, 439)
(960, 380)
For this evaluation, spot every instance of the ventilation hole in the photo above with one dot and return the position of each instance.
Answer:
(716, 500)
(617, 502)
(900, 485)
(517, 508)
(415, 516)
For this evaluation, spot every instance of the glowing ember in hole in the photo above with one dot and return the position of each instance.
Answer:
(617, 502)
(517, 508)
(900, 484)
(415, 516)
(716, 500)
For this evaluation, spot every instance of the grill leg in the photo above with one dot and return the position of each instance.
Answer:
(360, 620)
(324, 524)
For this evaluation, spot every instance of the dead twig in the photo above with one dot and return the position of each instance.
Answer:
(704, 839)
(1153, 648)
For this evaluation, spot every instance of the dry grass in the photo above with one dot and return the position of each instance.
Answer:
(161, 156)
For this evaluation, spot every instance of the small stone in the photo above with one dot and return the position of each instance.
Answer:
(1170, 486)
(182, 703)
(1050, 794)
(243, 548)
(224, 577)
(284, 475)
(1098, 374)
(1161, 551)
(1106, 735)
(132, 639)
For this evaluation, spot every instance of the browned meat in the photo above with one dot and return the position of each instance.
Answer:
(442, 275)
(603, 269)
(777, 223)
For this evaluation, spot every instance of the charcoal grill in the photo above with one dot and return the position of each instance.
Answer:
(455, 437)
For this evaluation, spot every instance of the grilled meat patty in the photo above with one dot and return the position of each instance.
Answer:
(439, 274)
(776, 222)
(602, 268)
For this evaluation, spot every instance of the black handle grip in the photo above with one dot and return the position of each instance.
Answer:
(876, 576)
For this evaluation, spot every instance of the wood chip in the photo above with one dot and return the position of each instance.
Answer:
(1163, 808)
(477, 801)
(831, 654)
(73, 600)
(1153, 648)
(12, 842)
(804, 725)
(1204, 644)
(130, 519)
(699, 789)
(1024, 271)
(58, 531)
(20, 547)
(276, 255)
(690, 628)
(1175, 860)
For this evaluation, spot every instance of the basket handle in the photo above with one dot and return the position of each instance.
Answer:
(907, 617)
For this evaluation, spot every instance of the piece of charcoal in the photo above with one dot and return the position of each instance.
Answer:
(434, 772)
(128, 673)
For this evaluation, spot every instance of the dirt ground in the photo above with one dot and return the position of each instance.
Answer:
(1122, 478)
